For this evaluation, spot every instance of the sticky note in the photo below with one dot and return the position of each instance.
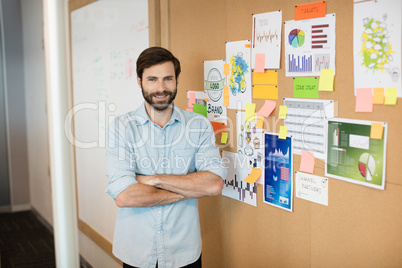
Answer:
(311, 10)
(376, 131)
(247, 45)
(259, 63)
(305, 87)
(283, 111)
(260, 122)
(225, 96)
(200, 109)
(378, 95)
(283, 132)
(218, 127)
(206, 99)
(191, 99)
(364, 100)
(189, 109)
(267, 108)
(268, 77)
(307, 162)
(224, 138)
(250, 112)
(226, 69)
(265, 92)
(390, 96)
(326, 82)
(254, 175)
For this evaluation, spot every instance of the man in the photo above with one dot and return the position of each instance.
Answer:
(160, 159)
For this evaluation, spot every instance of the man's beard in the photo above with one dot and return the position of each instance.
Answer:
(160, 105)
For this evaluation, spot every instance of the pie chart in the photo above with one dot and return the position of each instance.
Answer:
(296, 38)
(367, 166)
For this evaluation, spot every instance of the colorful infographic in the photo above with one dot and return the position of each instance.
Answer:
(214, 81)
(278, 183)
(353, 156)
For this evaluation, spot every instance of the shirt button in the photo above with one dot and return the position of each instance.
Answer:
(159, 232)
(161, 172)
(160, 212)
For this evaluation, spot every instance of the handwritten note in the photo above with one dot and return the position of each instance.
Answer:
(259, 63)
(267, 108)
(311, 10)
(268, 77)
(283, 132)
(312, 188)
(390, 96)
(376, 131)
(307, 162)
(253, 176)
(326, 82)
(283, 111)
(305, 87)
(265, 92)
(250, 112)
(364, 100)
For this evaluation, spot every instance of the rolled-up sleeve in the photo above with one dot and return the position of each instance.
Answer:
(120, 167)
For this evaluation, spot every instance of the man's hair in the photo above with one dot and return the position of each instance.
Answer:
(154, 56)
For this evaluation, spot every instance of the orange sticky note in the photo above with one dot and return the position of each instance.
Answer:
(268, 77)
(225, 96)
(283, 111)
(267, 108)
(260, 122)
(253, 176)
(283, 132)
(259, 63)
(378, 95)
(376, 131)
(307, 162)
(265, 92)
(218, 127)
(226, 69)
(224, 138)
(364, 100)
(311, 10)
(390, 96)
(247, 45)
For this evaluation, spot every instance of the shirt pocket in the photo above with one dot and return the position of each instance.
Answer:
(183, 161)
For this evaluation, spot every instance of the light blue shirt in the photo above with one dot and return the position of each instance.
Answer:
(169, 234)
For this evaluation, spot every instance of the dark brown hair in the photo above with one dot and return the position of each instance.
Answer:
(156, 55)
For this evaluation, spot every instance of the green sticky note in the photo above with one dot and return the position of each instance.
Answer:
(306, 87)
(200, 109)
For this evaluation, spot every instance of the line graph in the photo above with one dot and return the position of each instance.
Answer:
(267, 36)
(321, 61)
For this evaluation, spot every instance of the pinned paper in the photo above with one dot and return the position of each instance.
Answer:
(307, 162)
(260, 122)
(259, 63)
(326, 82)
(305, 87)
(268, 77)
(390, 96)
(283, 111)
(218, 127)
(311, 10)
(224, 138)
(191, 99)
(283, 132)
(226, 69)
(267, 108)
(253, 176)
(378, 95)
(265, 92)
(364, 100)
(376, 131)
(200, 109)
(250, 112)
(225, 96)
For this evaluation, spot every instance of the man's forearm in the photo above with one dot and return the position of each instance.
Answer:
(193, 185)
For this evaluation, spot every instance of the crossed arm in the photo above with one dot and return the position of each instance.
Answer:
(158, 190)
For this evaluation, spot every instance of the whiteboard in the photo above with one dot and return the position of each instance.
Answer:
(107, 37)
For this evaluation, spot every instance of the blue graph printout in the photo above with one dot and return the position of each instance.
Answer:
(278, 184)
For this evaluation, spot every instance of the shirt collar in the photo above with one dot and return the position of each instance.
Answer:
(142, 117)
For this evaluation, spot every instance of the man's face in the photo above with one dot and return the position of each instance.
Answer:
(159, 85)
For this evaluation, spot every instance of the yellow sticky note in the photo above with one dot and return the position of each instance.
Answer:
(226, 69)
(283, 111)
(253, 176)
(283, 132)
(390, 96)
(250, 112)
(224, 138)
(260, 122)
(378, 95)
(265, 92)
(376, 131)
(326, 82)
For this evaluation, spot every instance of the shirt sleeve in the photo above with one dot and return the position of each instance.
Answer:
(208, 157)
(120, 167)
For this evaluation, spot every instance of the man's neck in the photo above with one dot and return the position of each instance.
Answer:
(159, 117)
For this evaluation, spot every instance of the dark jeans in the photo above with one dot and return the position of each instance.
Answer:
(196, 264)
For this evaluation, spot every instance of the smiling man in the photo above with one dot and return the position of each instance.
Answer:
(160, 159)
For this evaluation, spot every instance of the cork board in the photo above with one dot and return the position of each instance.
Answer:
(360, 227)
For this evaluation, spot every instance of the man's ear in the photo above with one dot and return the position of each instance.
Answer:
(177, 79)
(139, 81)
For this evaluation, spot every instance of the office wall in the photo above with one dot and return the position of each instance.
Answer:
(361, 227)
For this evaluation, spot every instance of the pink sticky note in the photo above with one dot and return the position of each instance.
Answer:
(189, 109)
(259, 63)
(307, 162)
(191, 99)
(267, 108)
(364, 100)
